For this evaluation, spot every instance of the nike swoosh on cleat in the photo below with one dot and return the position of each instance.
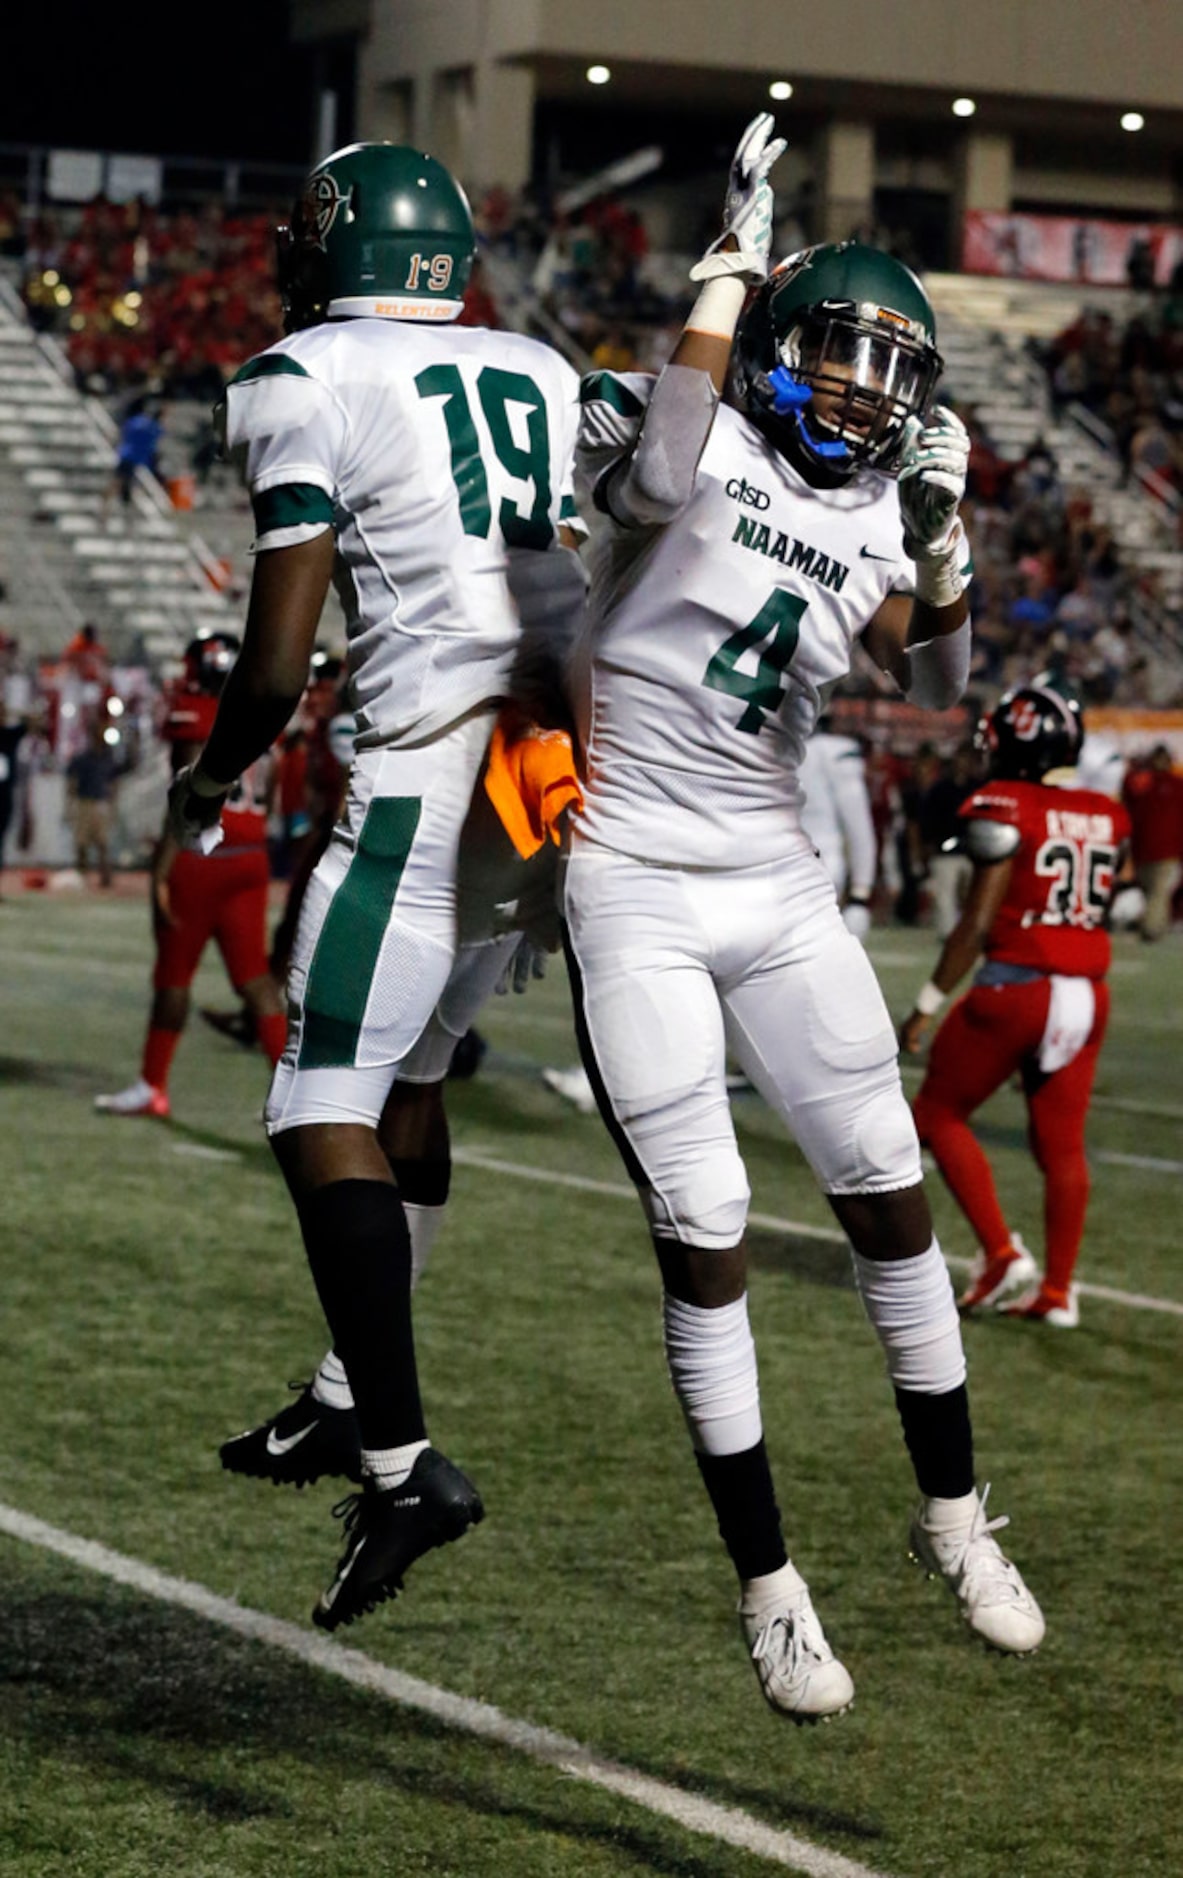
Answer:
(281, 1444)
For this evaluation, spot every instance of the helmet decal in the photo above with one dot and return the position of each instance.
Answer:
(319, 206)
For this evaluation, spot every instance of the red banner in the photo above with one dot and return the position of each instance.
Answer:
(1069, 248)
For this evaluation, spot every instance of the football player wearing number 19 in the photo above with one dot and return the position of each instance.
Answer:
(424, 469)
(783, 489)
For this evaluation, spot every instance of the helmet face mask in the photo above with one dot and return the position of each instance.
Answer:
(832, 357)
(378, 229)
(1030, 731)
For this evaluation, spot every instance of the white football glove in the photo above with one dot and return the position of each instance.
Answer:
(747, 207)
(194, 821)
(856, 916)
(933, 465)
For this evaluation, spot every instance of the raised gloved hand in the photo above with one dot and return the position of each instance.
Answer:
(933, 465)
(747, 208)
(194, 818)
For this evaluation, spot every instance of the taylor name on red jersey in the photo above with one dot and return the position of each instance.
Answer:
(1061, 882)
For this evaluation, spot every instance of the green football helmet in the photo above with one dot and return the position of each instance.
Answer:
(378, 230)
(833, 355)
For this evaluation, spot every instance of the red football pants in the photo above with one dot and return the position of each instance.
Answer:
(989, 1035)
(221, 897)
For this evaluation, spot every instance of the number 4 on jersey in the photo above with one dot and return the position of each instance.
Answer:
(779, 624)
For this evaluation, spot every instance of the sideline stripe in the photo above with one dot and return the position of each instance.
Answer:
(615, 1190)
(724, 1823)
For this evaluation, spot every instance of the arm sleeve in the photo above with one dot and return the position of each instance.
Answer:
(286, 432)
(657, 480)
(938, 669)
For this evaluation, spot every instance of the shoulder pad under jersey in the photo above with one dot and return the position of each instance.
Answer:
(985, 841)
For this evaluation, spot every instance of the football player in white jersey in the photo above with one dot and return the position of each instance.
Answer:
(424, 469)
(783, 488)
(836, 806)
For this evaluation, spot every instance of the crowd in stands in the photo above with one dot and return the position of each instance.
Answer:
(152, 306)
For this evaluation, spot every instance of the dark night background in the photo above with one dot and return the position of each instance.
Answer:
(215, 78)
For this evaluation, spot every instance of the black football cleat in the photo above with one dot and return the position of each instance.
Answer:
(304, 1441)
(387, 1531)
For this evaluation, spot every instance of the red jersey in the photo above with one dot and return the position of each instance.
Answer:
(189, 715)
(1052, 918)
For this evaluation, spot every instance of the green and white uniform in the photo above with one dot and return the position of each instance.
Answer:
(441, 459)
(702, 923)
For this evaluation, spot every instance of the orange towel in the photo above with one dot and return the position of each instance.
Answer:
(530, 779)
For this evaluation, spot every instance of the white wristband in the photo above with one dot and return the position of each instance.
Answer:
(929, 999)
(942, 577)
(718, 306)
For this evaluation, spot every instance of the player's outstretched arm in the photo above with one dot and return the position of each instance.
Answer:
(961, 949)
(658, 479)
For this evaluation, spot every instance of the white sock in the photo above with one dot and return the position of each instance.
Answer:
(389, 1467)
(423, 1223)
(771, 1592)
(712, 1365)
(911, 1305)
(330, 1384)
(949, 1515)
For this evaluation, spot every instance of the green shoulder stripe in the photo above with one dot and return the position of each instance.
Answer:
(289, 506)
(602, 388)
(268, 365)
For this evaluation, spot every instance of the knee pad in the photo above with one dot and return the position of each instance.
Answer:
(911, 1306)
(704, 1203)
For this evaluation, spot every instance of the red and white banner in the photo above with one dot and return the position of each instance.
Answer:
(1068, 248)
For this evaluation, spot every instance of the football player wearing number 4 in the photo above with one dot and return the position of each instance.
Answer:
(1047, 856)
(424, 468)
(782, 490)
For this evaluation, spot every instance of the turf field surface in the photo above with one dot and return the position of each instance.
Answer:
(157, 1301)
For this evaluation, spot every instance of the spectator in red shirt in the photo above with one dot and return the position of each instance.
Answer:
(1153, 796)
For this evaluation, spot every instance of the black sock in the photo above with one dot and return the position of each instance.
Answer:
(744, 1499)
(940, 1441)
(422, 1182)
(355, 1235)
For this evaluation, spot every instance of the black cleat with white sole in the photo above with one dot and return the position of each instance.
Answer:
(304, 1441)
(386, 1531)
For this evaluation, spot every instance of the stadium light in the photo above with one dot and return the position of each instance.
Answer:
(780, 89)
(964, 107)
(598, 74)
(1132, 120)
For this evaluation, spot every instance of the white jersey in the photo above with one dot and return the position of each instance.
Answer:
(836, 810)
(712, 641)
(441, 457)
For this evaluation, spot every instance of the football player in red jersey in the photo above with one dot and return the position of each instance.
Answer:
(199, 897)
(1046, 857)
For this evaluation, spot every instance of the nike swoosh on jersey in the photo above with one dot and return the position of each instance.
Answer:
(867, 555)
(282, 1443)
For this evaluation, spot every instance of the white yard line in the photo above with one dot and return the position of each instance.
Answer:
(726, 1824)
(801, 1229)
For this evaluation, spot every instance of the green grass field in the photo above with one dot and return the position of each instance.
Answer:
(157, 1301)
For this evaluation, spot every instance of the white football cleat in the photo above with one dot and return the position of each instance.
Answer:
(1039, 1306)
(994, 1601)
(139, 1098)
(799, 1675)
(573, 1086)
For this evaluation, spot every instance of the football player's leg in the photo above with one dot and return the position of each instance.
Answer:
(179, 946)
(981, 1042)
(1057, 1107)
(814, 1033)
(241, 934)
(373, 952)
(651, 1033)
